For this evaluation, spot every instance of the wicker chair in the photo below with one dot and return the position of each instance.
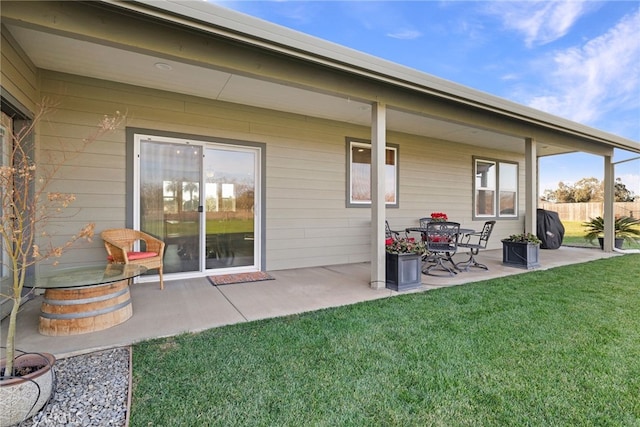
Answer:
(119, 243)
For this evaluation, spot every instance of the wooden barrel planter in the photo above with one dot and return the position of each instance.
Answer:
(74, 311)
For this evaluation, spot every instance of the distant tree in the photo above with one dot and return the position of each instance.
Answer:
(587, 190)
(622, 193)
(563, 194)
(548, 196)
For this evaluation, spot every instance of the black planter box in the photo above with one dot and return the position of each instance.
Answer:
(521, 254)
(403, 271)
(617, 242)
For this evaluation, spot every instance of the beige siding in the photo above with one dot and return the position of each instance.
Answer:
(18, 74)
(437, 176)
(307, 223)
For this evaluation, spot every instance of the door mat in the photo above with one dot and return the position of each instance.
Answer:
(227, 279)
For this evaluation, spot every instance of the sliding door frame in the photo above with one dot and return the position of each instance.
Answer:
(132, 218)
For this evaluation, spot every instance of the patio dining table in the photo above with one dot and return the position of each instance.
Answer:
(85, 299)
(423, 231)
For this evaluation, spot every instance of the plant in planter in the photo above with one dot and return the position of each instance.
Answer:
(27, 208)
(521, 250)
(523, 238)
(625, 228)
(439, 217)
(403, 260)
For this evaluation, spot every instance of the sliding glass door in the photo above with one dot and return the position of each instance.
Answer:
(5, 271)
(230, 192)
(200, 198)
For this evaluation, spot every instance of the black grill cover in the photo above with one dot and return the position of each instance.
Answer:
(550, 229)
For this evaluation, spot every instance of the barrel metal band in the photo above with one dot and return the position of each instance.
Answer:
(86, 300)
(61, 316)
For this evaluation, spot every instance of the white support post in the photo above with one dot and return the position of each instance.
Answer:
(609, 191)
(378, 144)
(531, 185)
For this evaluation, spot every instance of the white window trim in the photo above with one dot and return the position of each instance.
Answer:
(495, 188)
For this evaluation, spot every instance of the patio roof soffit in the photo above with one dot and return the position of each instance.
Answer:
(291, 42)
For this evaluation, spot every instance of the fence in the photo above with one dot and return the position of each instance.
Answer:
(583, 211)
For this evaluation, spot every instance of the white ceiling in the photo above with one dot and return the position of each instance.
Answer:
(63, 54)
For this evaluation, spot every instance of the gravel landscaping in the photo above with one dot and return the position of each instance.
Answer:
(91, 390)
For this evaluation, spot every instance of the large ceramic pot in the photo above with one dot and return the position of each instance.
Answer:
(403, 271)
(24, 396)
(521, 254)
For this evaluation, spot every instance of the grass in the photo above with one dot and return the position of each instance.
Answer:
(574, 236)
(556, 347)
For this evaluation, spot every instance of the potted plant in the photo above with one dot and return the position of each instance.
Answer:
(521, 250)
(625, 228)
(27, 207)
(403, 261)
(439, 217)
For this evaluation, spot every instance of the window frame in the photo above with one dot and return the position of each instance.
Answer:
(496, 188)
(395, 148)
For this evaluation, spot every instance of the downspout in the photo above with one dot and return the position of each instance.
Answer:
(626, 251)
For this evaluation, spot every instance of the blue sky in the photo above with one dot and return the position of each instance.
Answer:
(576, 59)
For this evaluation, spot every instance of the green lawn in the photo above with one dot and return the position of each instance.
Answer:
(574, 236)
(557, 347)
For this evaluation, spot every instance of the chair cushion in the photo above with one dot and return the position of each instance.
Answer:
(132, 256)
(140, 255)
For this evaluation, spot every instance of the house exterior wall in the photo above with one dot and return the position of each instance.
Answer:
(18, 75)
(307, 221)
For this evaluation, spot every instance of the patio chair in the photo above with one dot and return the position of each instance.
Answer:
(441, 240)
(389, 233)
(474, 242)
(119, 243)
(424, 221)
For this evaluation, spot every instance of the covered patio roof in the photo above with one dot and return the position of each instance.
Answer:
(220, 54)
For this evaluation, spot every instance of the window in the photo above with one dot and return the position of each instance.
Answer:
(485, 188)
(359, 174)
(508, 187)
(495, 189)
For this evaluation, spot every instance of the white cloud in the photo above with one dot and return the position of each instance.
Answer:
(631, 181)
(510, 76)
(601, 76)
(628, 170)
(405, 34)
(381, 16)
(540, 22)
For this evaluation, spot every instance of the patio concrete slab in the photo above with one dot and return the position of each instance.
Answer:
(193, 305)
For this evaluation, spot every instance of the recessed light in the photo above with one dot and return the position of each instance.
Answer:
(163, 66)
